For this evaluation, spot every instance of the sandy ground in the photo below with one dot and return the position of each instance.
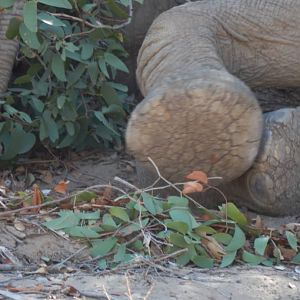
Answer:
(167, 282)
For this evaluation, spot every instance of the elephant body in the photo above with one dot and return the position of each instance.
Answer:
(196, 68)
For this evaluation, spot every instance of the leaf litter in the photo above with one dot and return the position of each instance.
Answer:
(125, 228)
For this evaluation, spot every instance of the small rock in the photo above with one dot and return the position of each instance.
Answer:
(15, 232)
(280, 268)
(292, 286)
(19, 225)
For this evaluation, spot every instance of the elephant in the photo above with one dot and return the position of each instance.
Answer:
(197, 69)
(8, 48)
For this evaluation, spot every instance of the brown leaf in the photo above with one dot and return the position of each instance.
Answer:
(258, 222)
(36, 197)
(213, 247)
(30, 289)
(71, 291)
(288, 254)
(295, 227)
(198, 176)
(192, 187)
(46, 176)
(61, 187)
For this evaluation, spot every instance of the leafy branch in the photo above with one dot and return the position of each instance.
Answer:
(138, 228)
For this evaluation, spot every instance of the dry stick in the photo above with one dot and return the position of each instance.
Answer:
(172, 185)
(144, 262)
(149, 292)
(5, 213)
(106, 293)
(129, 294)
(70, 257)
(99, 24)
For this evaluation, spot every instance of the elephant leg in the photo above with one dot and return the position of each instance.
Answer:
(272, 185)
(8, 48)
(196, 125)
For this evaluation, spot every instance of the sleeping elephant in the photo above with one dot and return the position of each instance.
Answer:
(196, 69)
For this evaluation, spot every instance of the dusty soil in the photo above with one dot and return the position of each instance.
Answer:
(33, 247)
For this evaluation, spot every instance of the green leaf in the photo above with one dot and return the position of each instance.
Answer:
(183, 259)
(93, 72)
(136, 246)
(109, 94)
(102, 264)
(181, 227)
(149, 203)
(23, 79)
(260, 245)
(102, 247)
(205, 229)
(114, 110)
(66, 221)
(120, 255)
(228, 259)
(203, 261)
(70, 128)
(87, 50)
(119, 87)
(296, 259)
(99, 115)
(79, 231)
(234, 214)
(223, 238)
(76, 75)
(57, 3)
(61, 99)
(103, 68)
(238, 240)
(30, 38)
(292, 239)
(18, 142)
(50, 126)
(68, 112)
(37, 104)
(30, 15)
(178, 201)
(251, 258)
(133, 227)
(120, 213)
(58, 68)
(115, 62)
(88, 215)
(13, 28)
(116, 9)
(267, 262)
(183, 215)
(6, 3)
(50, 20)
(109, 221)
(178, 240)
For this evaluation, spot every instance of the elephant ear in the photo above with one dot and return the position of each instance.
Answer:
(16, 141)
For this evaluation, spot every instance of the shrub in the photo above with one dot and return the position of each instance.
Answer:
(66, 94)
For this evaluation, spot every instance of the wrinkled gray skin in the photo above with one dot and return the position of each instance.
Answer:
(8, 48)
(195, 68)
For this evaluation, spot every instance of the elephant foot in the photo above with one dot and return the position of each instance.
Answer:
(212, 124)
(272, 185)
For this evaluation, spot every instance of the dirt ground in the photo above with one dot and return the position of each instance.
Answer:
(33, 247)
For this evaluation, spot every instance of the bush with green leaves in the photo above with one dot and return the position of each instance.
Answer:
(144, 226)
(66, 94)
